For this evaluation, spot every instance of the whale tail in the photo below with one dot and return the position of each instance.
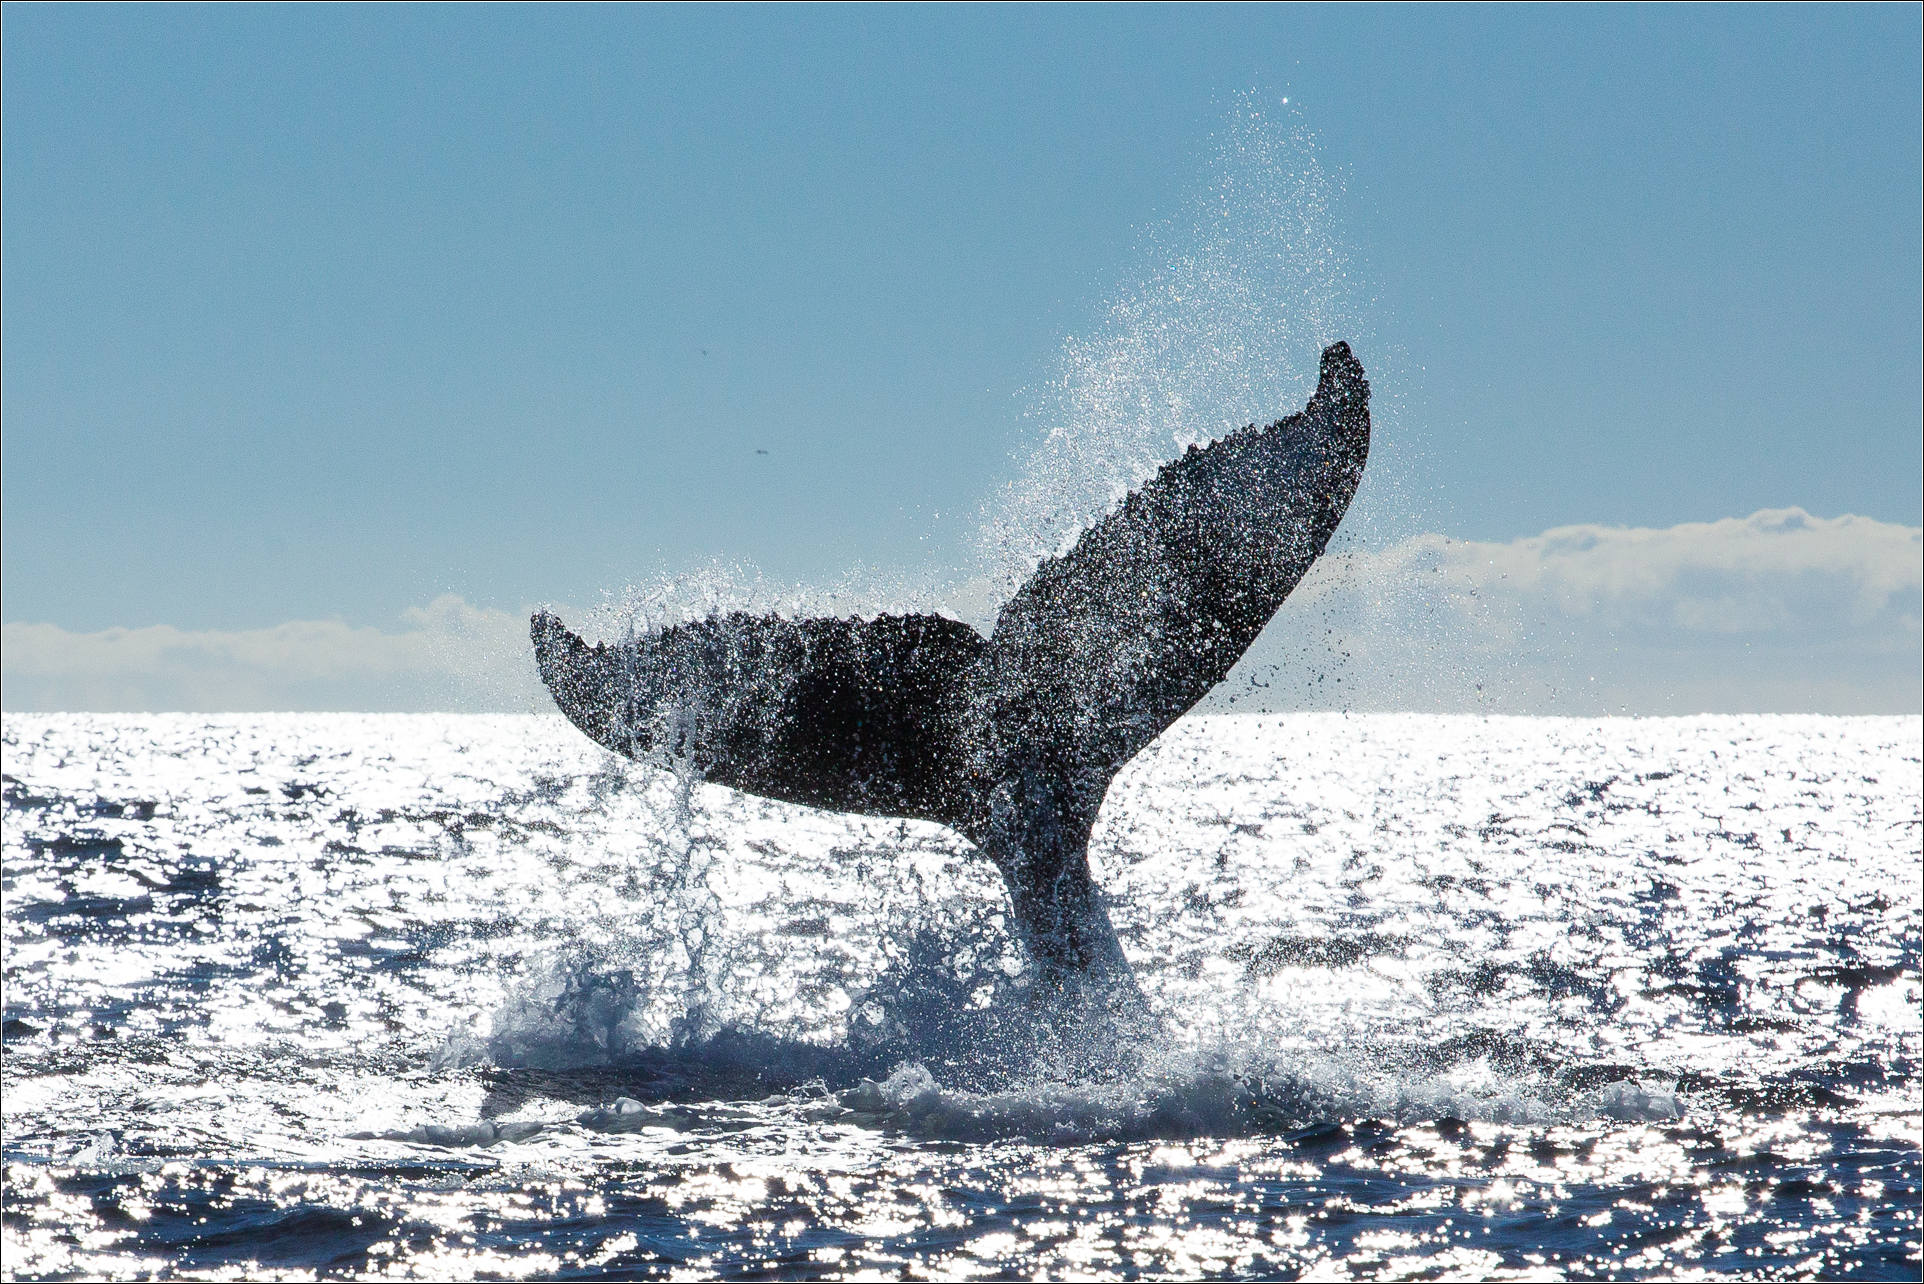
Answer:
(1011, 740)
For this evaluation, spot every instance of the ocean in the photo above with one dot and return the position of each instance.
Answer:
(306, 996)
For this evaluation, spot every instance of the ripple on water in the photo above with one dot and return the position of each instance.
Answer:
(432, 995)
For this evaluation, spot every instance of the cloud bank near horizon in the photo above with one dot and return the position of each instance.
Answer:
(448, 655)
(1776, 612)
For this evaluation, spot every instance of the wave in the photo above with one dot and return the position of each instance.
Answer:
(942, 1053)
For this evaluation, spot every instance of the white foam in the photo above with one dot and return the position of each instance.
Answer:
(1631, 1102)
(1187, 1096)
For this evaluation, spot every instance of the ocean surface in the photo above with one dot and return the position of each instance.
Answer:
(1442, 997)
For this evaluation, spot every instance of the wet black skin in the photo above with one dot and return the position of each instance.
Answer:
(1010, 740)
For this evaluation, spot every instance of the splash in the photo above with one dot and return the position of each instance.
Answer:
(1229, 1092)
(940, 1051)
(1101, 650)
(1220, 325)
(1241, 289)
(718, 587)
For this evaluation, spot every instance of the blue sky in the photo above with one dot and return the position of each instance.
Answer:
(321, 314)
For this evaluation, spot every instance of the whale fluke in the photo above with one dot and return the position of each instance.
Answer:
(1011, 740)
(851, 715)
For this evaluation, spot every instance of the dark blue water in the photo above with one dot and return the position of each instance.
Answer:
(1461, 997)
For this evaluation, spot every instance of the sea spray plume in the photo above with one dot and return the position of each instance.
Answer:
(1012, 740)
(1232, 293)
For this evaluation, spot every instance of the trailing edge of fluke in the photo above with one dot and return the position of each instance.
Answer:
(1011, 740)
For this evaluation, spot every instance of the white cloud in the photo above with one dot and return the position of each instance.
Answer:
(447, 655)
(1780, 611)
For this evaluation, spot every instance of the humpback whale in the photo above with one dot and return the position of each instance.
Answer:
(1010, 740)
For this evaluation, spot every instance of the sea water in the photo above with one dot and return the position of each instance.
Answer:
(440, 996)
